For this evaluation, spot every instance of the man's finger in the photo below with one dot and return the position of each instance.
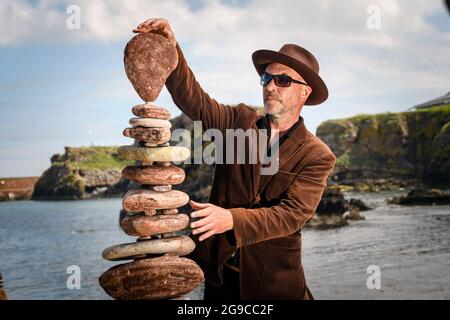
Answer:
(207, 235)
(197, 205)
(203, 229)
(200, 222)
(201, 213)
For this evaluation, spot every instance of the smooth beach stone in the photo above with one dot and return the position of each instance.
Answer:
(181, 246)
(139, 200)
(171, 153)
(149, 135)
(161, 188)
(167, 211)
(155, 278)
(169, 234)
(149, 110)
(150, 123)
(149, 59)
(144, 226)
(154, 175)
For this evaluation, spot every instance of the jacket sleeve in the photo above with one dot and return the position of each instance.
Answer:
(188, 95)
(296, 207)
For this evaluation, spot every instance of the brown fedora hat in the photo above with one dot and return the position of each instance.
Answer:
(299, 59)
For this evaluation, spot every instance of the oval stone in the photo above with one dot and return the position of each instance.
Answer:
(144, 226)
(149, 59)
(181, 246)
(149, 135)
(154, 175)
(157, 278)
(170, 153)
(149, 110)
(139, 200)
(150, 123)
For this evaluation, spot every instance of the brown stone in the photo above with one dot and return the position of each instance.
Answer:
(167, 211)
(161, 188)
(154, 175)
(181, 246)
(151, 135)
(156, 278)
(149, 110)
(139, 200)
(144, 226)
(149, 60)
(150, 123)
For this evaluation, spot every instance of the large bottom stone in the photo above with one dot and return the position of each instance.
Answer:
(181, 246)
(156, 278)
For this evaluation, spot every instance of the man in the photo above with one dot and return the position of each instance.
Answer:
(249, 243)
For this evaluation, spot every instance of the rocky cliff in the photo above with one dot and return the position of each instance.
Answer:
(409, 147)
(80, 173)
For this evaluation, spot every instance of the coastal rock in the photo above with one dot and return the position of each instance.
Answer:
(149, 60)
(154, 175)
(181, 246)
(157, 278)
(149, 135)
(391, 148)
(150, 123)
(149, 110)
(143, 226)
(143, 199)
(332, 203)
(423, 197)
(171, 153)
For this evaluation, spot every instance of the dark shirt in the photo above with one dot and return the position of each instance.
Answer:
(265, 124)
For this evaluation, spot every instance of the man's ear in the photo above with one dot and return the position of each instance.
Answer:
(306, 91)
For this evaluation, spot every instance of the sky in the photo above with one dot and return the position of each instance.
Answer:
(62, 83)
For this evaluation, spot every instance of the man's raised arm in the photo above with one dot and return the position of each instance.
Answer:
(184, 88)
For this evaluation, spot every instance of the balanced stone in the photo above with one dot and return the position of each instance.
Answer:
(171, 153)
(167, 211)
(144, 226)
(150, 123)
(154, 175)
(149, 110)
(139, 200)
(149, 60)
(181, 246)
(156, 278)
(149, 135)
(161, 188)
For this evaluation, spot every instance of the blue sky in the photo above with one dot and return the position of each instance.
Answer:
(57, 85)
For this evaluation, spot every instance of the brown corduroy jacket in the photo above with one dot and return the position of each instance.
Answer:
(268, 210)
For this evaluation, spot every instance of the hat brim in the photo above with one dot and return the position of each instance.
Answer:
(261, 58)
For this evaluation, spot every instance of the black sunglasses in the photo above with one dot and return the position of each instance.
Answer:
(281, 80)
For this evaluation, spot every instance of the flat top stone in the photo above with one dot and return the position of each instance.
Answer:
(149, 59)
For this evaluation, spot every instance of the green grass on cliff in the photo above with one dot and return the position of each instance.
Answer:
(101, 158)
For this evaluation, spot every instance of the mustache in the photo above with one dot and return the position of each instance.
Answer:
(271, 96)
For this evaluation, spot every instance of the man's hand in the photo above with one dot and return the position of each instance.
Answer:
(215, 219)
(157, 25)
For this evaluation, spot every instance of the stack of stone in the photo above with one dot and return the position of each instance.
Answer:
(151, 210)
